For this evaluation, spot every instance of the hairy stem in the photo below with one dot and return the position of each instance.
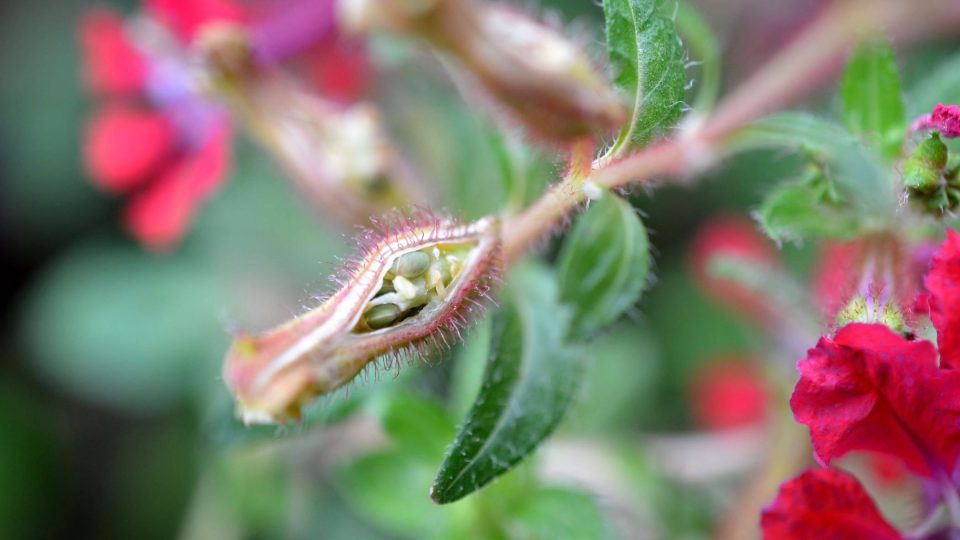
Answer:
(797, 70)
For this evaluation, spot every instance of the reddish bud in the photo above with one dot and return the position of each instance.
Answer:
(529, 71)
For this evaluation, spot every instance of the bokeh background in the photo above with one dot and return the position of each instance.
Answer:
(114, 421)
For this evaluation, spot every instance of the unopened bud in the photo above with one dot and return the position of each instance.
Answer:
(923, 170)
(536, 75)
(339, 156)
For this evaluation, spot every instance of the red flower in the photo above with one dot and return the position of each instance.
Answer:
(186, 17)
(871, 389)
(728, 394)
(943, 285)
(157, 138)
(152, 138)
(825, 504)
(113, 66)
(734, 238)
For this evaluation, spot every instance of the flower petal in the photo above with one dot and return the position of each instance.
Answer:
(112, 64)
(871, 389)
(825, 504)
(125, 145)
(946, 120)
(160, 216)
(186, 17)
(943, 284)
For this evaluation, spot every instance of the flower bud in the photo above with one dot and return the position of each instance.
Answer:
(377, 312)
(339, 156)
(923, 170)
(528, 70)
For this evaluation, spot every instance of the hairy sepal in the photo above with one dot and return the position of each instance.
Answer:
(274, 374)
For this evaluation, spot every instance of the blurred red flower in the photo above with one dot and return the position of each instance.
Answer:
(156, 136)
(825, 504)
(943, 286)
(152, 137)
(734, 238)
(728, 393)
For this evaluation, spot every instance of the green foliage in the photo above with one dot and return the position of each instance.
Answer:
(603, 266)
(705, 50)
(871, 95)
(648, 63)
(863, 182)
(940, 86)
(418, 425)
(560, 513)
(388, 487)
(142, 365)
(808, 208)
(529, 381)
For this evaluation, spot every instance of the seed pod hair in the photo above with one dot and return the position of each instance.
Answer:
(418, 282)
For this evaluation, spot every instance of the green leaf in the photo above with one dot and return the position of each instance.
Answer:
(417, 425)
(388, 489)
(467, 376)
(942, 85)
(861, 179)
(525, 172)
(528, 384)
(871, 95)
(794, 211)
(559, 513)
(702, 43)
(648, 63)
(122, 328)
(603, 265)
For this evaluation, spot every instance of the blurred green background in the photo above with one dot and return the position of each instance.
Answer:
(113, 419)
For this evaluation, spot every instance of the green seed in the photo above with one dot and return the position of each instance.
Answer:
(387, 287)
(412, 264)
(382, 316)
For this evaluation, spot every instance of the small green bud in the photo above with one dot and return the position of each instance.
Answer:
(382, 316)
(923, 170)
(413, 264)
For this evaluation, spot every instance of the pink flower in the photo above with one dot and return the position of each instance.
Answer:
(825, 504)
(944, 119)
